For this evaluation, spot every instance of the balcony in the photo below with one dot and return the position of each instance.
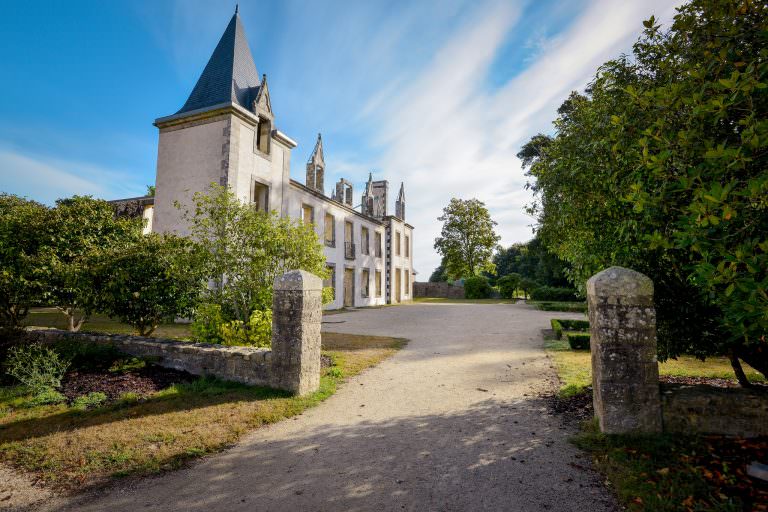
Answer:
(330, 243)
(349, 250)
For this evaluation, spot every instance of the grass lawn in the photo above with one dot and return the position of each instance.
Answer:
(440, 300)
(71, 449)
(574, 367)
(668, 472)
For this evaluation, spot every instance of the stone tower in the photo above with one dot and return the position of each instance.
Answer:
(223, 134)
(316, 167)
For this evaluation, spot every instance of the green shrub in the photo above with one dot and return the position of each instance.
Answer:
(554, 293)
(572, 307)
(37, 367)
(476, 287)
(578, 340)
(89, 401)
(508, 285)
(557, 327)
(47, 396)
(329, 295)
(129, 398)
(528, 285)
(257, 333)
(206, 327)
(210, 326)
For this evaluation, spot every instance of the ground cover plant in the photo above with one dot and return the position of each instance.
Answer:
(109, 433)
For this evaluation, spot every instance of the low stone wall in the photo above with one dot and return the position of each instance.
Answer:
(438, 290)
(239, 364)
(710, 410)
(293, 364)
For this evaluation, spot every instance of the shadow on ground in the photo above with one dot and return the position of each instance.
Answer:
(481, 458)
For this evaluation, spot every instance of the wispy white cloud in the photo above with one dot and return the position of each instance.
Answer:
(448, 135)
(47, 179)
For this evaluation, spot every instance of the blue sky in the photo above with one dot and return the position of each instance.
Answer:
(438, 94)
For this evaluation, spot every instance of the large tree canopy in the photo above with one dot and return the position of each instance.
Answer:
(662, 166)
(467, 239)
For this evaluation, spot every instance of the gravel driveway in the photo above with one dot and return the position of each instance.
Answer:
(451, 422)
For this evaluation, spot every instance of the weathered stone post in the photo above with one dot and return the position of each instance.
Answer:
(625, 371)
(296, 316)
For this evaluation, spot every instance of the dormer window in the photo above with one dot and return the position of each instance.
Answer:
(263, 135)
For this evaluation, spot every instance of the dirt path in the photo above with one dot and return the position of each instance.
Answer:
(452, 422)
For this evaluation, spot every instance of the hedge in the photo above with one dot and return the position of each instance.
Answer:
(559, 325)
(575, 307)
(554, 293)
(578, 340)
(477, 287)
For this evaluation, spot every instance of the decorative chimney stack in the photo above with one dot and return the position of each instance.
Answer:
(316, 167)
(400, 203)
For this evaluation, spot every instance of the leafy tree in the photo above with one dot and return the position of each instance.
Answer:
(467, 239)
(508, 285)
(439, 275)
(22, 224)
(75, 228)
(528, 285)
(154, 279)
(533, 260)
(151, 190)
(661, 166)
(245, 250)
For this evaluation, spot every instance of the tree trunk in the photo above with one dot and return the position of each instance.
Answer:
(755, 355)
(738, 370)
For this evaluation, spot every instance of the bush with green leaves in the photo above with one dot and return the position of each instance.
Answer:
(560, 325)
(578, 340)
(210, 326)
(157, 278)
(554, 293)
(37, 367)
(22, 234)
(47, 396)
(508, 285)
(477, 287)
(90, 401)
(243, 251)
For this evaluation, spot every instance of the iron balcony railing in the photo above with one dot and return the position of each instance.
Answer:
(349, 250)
(330, 243)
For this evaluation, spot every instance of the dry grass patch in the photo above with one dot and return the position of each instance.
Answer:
(70, 449)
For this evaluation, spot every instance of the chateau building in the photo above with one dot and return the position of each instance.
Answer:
(226, 133)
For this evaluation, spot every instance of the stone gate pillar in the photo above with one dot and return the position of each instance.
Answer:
(296, 316)
(625, 371)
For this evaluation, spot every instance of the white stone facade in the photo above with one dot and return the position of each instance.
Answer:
(236, 145)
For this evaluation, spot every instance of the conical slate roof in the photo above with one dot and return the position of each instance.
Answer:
(229, 76)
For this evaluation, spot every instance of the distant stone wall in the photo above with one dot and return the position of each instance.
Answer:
(710, 410)
(293, 364)
(439, 290)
